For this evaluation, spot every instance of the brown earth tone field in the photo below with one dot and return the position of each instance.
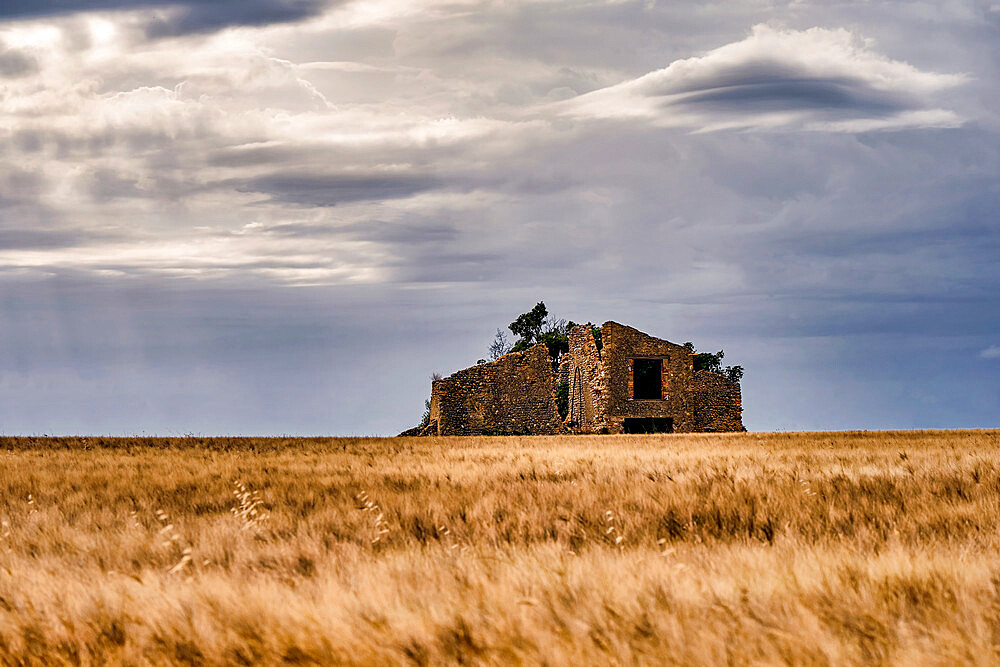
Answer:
(806, 548)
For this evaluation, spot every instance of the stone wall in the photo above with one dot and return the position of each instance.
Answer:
(513, 395)
(516, 394)
(622, 346)
(717, 403)
(601, 384)
(581, 368)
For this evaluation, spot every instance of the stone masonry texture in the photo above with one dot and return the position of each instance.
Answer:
(516, 394)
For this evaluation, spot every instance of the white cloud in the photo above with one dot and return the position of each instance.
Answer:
(992, 352)
(815, 79)
(441, 121)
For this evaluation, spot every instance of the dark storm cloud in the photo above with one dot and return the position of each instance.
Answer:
(795, 93)
(304, 189)
(193, 16)
(211, 15)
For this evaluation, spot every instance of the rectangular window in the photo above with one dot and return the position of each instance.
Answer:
(646, 379)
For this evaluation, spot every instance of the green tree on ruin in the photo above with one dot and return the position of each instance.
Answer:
(709, 361)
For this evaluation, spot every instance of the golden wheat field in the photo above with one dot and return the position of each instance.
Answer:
(811, 548)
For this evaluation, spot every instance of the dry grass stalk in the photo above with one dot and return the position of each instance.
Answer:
(736, 548)
(380, 527)
(249, 508)
(612, 530)
(173, 542)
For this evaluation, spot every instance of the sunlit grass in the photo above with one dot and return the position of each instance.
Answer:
(698, 549)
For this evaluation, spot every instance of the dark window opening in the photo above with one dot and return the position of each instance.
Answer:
(649, 425)
(646, 378)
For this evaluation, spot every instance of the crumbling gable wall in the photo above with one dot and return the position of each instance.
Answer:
(601, 384)
(513, 395)
(622, 346)
(716, 402)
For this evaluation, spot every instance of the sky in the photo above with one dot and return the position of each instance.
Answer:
(280, 217)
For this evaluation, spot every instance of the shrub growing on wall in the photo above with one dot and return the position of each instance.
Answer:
(708, 361)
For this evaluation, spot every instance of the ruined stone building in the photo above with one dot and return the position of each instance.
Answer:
(630, 383)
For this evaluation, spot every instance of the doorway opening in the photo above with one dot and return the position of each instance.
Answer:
(649, 425)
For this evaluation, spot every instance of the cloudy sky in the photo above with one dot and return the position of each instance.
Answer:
(281, 216)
